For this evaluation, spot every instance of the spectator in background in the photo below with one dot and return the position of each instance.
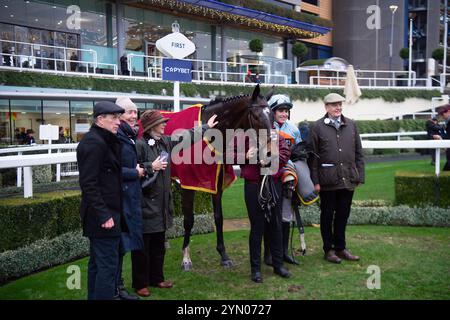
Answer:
(73, 63)
(436, 132)
(336, 170)
(444, 112)
(124, 65)
(29, 139)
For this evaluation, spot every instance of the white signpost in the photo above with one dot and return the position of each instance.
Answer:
(177, 46)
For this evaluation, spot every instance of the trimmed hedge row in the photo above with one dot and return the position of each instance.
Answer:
(23, 221)
(29, 79)
(422, 189)
(70, 246)
(387, 216)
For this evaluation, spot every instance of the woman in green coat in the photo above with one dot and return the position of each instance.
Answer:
(154, 150)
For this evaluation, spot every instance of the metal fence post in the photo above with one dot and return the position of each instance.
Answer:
(27, 182)
(438, 162)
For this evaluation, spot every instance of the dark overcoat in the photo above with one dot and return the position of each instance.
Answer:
(131, 189)
(100, 178)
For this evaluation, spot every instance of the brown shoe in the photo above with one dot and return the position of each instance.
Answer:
(331, 256)
(144, 292)
(165, 284)
(345, 254)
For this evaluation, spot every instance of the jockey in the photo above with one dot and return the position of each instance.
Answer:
(280, 105)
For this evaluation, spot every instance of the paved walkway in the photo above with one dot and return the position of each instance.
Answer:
(236, 224)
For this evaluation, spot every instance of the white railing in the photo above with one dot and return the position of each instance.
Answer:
(29, 59)
(393, 134)
(319, 76)
(68, 169)
(28, 161)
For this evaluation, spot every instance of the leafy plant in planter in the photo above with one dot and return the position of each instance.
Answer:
(300, 50)
(404, 53)
(256, 45)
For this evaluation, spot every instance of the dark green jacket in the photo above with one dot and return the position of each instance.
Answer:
(338, 162)
(157, 203)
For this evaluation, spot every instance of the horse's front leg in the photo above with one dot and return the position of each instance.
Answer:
(187, 204)
(218, 219)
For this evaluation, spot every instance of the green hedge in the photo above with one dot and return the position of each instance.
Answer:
(422, 189)
(29, 79)
(70, 246)
(23, 221)
(47, 215)
(386, 215)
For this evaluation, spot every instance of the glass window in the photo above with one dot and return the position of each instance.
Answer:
(5, 123)
(80, 118)
(57, 113)
(26, 116)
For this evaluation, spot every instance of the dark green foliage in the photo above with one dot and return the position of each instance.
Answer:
(69, 246)
(279, 11)
(438, 54)
(420, 189)
(23, 221)
(300, 50)
(256, 45)
(404, 53)
(28, 79)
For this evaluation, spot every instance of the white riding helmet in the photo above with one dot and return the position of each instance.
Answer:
(279, 100)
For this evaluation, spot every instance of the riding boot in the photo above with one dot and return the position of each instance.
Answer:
(267, 255)
(286, 257)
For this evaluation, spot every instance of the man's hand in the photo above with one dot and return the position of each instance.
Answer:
(159, 164)
(437, 137)
(108, 224)
(140, 170)
(317, 188)
(211, 122)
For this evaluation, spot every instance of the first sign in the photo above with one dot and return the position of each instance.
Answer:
(175, 45)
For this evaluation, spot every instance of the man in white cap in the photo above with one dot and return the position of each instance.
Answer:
(336, 170)
(131, 189)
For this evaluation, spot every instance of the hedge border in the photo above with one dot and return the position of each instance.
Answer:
(44, 254)
(33, 79)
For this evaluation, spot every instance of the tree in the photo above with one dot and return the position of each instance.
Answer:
(300, 50)
(404, 53)
(438, 54)
(256, 45)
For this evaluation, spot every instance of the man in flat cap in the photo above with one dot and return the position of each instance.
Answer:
(444, 112)
(99, 165)
(336, 170)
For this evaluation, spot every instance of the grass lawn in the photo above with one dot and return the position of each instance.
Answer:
(379, 185)
(414, 263)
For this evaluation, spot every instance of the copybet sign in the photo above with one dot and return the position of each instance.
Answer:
(176, 70)
(175, 45)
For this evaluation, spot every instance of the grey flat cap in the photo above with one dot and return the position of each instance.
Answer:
(333, 98)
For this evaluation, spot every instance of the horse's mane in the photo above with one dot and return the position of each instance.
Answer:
(226, 101)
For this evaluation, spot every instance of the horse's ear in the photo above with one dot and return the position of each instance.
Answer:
(270, 94)
(256, 92)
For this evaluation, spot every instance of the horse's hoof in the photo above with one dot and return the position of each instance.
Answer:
(304, 252)
(186, 266)
(227, 263)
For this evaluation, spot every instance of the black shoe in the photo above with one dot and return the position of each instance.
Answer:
(257, 277)
(268, 259)
(124, 295)
(282, 272)
(287, 258)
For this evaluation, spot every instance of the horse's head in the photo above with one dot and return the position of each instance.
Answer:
(259, 115)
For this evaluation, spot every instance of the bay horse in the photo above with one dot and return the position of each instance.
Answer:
(240, 112)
